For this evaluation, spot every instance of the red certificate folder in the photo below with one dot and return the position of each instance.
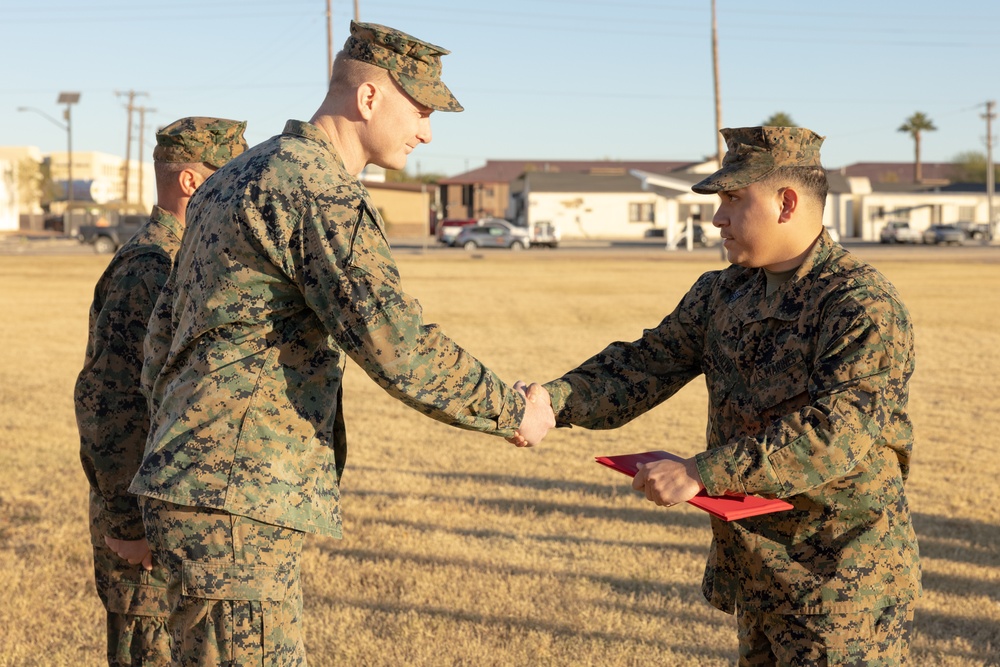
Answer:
(729, 507)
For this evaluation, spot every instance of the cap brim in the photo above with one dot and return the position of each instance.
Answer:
(432, 94)
(727, 179)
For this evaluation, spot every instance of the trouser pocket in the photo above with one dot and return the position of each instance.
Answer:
(237, 614)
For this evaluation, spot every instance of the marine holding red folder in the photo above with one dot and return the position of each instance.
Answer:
(807, 353)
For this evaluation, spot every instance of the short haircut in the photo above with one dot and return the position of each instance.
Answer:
(166, 172)
(811, 181)
(349, 73)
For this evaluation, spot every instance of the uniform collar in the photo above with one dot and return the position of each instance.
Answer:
(791, 297)
(168, 220)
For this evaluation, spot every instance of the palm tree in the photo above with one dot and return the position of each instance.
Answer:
(914, 125)
(780, 119)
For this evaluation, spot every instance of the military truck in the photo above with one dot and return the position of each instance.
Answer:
(106, 236)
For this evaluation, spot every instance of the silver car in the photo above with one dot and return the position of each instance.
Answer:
(492, 233)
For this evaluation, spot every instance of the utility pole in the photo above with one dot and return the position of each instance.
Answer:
(142, 131)
(329, 41)
(131, 94)
(357, 15)
(719, 146)
(990, 174)
(69, 99)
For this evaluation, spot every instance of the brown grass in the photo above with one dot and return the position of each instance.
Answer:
(461, 550)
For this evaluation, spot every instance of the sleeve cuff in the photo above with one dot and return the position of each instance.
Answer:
(121, 518)
(718, 472)
(511, 414)
(559, 392)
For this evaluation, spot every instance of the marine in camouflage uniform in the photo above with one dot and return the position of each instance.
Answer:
(284, 273)
(807, 374)
(112, 413)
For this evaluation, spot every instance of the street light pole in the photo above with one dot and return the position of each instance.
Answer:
(69, 99)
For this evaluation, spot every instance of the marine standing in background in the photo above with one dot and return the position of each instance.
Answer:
(807, 353)
(284, 273)
(111, 411)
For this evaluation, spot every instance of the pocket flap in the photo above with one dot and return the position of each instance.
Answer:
(234, 582)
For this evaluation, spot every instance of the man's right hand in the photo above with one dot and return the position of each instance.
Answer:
(538, 416)
(134, 551)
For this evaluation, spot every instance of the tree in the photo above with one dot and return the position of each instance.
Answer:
(914, 126)
(402, 176)
(780, 119)
(29, 182)
(970, 167)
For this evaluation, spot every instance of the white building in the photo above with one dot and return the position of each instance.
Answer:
(9, 201)
(625, 205)
(606, 206)
(101, 175)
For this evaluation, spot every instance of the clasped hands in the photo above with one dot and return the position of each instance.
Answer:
(538, 417)
(665, 482)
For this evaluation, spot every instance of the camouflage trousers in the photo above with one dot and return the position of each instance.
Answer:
(135, 602)
(234, 590)
(876, 638)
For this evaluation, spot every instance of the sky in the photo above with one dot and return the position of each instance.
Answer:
(539, 79)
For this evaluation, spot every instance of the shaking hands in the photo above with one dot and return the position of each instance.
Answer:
(538, 416)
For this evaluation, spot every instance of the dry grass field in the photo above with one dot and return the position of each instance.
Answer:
(462, 550)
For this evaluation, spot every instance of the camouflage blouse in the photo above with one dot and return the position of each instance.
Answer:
(111, 412)
(808, 397)
(285, 272)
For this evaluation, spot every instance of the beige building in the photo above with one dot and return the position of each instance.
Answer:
(405, 207)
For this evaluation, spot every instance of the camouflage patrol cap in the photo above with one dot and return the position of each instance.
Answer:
(414, 64)
(753, 153)
(214, 141)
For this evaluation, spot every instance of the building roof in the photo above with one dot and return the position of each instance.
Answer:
(505, 171)
(577, 182)
(900, 172)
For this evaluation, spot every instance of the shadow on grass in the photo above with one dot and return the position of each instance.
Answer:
(958, 540)
(501, 624)
(656, 515)
(629, 586)
(518, 482)
(490, 533)
(635, 591)
(982, 636)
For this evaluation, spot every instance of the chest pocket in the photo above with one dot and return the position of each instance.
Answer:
(782, 386)
(369, 247)
(721, 373)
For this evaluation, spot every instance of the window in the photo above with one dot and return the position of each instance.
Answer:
(640, 212)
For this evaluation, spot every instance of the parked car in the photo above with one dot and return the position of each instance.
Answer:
(977, 231)
(492, 233)
(936, 234)
(449, 228)
(899, 232)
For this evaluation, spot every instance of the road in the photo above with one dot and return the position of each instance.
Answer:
(48, 244)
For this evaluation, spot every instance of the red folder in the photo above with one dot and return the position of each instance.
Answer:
(729, 507)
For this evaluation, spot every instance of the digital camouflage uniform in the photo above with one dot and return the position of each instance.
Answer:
(807, 402)
(112, 413)
(284, 273)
